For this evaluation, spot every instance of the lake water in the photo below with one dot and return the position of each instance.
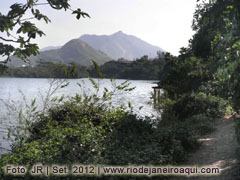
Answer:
(32, 88)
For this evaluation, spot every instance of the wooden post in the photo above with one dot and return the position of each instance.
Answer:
(156, 97)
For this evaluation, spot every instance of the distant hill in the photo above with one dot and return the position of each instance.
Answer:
(120, 45)
(76, 51)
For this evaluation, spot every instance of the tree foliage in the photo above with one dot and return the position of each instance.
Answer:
(18, 26)
(140, 69)
(48, 70)
(182, 74)
(208, 69)
(219, 21)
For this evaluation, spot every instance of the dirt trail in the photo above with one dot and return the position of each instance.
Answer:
(218, 150)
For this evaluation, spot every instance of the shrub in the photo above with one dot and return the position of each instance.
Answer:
(86, 130)
(200, 103)
(201, 124)
(72, 133)
(135, 141)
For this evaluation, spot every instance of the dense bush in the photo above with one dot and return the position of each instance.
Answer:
(200, 103)
(82, 130)
(142, 144)
(192, 104)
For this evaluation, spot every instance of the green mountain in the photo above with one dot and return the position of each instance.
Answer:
(121, 45)
(76, 51)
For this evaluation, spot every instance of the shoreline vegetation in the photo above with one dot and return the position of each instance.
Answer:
(140, 69)
(83, 129)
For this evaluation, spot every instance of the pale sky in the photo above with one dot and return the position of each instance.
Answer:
(164, 23)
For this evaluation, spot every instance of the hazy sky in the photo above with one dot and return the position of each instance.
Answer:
(165, 23)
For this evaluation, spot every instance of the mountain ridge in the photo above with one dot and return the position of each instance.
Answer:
(75, 50)
(49, 48)
(101, 48)
(121, 45)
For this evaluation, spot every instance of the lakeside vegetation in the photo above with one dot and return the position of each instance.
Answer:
(200, 86)
(139, 69)
(47, 70)
(85, 130)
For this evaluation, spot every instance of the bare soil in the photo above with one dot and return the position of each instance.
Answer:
(218, 150)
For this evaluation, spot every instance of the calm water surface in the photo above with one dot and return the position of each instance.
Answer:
(32, 88)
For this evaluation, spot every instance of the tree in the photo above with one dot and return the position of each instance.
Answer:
(217, 28)
(208, 22)
(18, 29)
(182, 74)
(203, 79)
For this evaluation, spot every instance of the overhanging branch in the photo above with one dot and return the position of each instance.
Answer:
(8, 40)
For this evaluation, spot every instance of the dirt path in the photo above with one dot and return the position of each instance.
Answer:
(218, 150)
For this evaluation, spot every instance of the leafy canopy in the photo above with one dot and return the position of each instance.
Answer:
(18, 28)
(219, 22)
